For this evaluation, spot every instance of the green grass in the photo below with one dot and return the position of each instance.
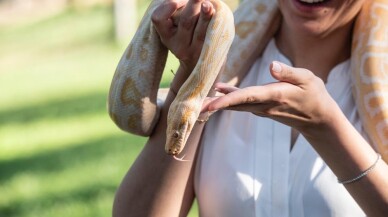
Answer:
(60, 155)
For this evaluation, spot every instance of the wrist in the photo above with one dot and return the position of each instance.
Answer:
(180, 77)
(330, 117)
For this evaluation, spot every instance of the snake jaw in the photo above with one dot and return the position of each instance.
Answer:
(176, 138)
(178, 132)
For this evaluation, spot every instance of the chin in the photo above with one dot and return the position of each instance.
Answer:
(318, 19)
(311, 28)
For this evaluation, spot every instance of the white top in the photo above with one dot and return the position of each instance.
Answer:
(245, 166)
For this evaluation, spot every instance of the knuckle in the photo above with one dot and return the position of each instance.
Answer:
(318, 81)
(249, 99)
(309, 75)
(173, 4)
(170, 5)
(272, 111)
(155, 18)
(277, 95)
(314, 80)
(186, 23)
(287, 74)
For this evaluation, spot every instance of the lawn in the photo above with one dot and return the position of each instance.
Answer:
(60, 155)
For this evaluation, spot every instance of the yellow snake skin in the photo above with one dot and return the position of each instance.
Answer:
(255, 23)
(369, 62)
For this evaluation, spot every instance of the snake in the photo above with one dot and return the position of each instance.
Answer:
(237, 40)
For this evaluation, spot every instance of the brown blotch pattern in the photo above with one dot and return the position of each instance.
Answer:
(143, 53)
(132, 121)
(379, 34)
(206, 52)
(375, 102)
(146, 36)
(244, 28)
(216, 23)
(114, 117)
(196, 91)
(145, 75)
(129, 86)
(185, 117)
(261, 8)
(129, 53)
(369, 64)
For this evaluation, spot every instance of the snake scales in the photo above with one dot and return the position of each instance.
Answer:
(132, 99)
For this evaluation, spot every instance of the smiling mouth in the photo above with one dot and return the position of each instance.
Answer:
(312, 2)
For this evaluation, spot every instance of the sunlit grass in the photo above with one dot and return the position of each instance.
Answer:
(71, 53)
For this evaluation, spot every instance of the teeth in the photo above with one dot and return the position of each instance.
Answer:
(311, 1)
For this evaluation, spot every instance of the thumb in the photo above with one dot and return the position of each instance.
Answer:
(283, 72)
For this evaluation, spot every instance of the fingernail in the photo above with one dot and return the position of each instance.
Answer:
(205, 7)
(276, 67)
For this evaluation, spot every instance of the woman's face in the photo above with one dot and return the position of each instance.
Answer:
(320, 18)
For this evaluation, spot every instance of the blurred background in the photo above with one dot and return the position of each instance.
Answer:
(60, 154)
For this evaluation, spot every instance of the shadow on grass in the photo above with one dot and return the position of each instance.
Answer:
(60, 108)
(120, 151)
(58, 160)
(86, 196)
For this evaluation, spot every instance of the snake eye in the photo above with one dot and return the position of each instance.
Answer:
(175, 135)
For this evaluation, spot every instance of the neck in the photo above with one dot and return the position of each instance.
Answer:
(318, 54)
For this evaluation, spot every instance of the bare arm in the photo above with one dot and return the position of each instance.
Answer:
(348, 154)
(157, 184)
(301, 101)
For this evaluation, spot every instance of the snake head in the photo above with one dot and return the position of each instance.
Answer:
(178, 130)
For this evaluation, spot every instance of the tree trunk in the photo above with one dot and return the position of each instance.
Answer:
(125, 17)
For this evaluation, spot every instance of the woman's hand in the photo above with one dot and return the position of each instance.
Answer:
(182, 25)
(299, 99)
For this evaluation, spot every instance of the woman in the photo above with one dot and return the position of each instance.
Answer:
(264, 168)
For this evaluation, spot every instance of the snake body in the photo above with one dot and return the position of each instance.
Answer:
(369, 62)
(132, 101)
(186, 107)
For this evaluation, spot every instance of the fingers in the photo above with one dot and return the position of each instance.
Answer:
(272, 93)
(161, 17)
(207, 11)
(296, 76)
(188, 21)
(249, 95)
(207, 102)
(262, 110)
(219, 87)
(225, 88)
(182, 26)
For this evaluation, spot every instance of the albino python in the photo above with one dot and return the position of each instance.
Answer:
(132, 100)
